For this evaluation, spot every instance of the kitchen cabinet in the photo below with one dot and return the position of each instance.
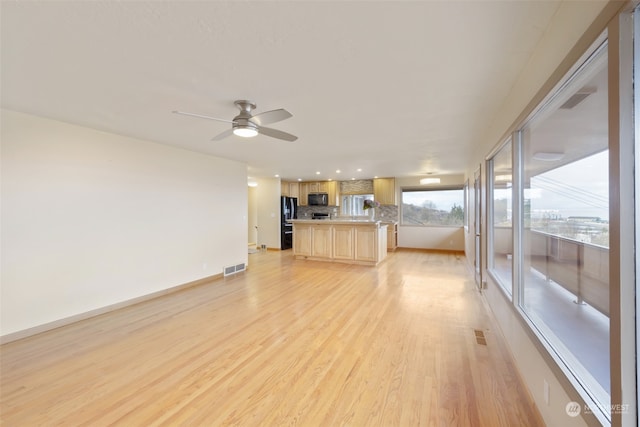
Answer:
(343, 242)
(365, 248)
(314, 187)
(392, 236)
(304, 194)
(321, 242)
(302, 239)
(384, 191)
(322, 186)
(294, 190)
(291, 189)
(354, 242)
(329, 187)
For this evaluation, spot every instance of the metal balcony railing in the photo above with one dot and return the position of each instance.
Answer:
(581, 268)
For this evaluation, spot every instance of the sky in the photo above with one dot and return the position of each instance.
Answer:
(578, 189)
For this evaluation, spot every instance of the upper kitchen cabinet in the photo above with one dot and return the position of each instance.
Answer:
(384, 191)
(303, 193)
(291, 189)
(294, 190)
(314, 187)
(329, 187)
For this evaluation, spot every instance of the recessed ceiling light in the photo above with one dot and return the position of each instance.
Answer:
(277, 176)
(359, 169)
(299, 179)
(317, 173)
(337, 170)
(252, 184)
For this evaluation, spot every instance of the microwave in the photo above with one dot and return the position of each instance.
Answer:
(318, 199)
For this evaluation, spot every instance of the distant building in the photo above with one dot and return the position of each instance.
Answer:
(584, 219)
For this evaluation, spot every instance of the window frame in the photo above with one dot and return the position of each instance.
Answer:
(563, 360)
(432, 189)
(510, 290)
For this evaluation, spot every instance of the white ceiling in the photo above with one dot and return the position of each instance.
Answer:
(394, 88)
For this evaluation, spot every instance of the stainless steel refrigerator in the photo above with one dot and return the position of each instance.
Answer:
(288, 211)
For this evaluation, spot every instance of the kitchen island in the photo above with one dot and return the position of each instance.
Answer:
(340, 240)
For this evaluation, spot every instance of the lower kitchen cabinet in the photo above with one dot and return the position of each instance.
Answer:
(320, 242)
(302, 239)
(357, 242)
(392, 236)
(343, 242)
(366, 248)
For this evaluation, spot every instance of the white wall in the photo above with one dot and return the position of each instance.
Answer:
(268, 199)
(91, 219)
(438, 238)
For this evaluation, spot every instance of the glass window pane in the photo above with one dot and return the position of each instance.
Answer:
(566, 226)
(501, 256)
(433, 207)
(353, 204)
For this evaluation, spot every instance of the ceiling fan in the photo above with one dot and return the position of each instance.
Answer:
(247, 125)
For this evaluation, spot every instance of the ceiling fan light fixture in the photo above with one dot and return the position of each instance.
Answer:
(548, 156)
(429, 181)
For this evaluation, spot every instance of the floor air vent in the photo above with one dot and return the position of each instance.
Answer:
(480, 339)
(233, 269)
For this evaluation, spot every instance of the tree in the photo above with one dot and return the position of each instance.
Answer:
(456, 215)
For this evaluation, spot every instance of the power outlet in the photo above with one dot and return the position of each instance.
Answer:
(546, 392)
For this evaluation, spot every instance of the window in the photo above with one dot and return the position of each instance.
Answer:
(501, 211)
(466, 205)
(353, 204)
(565, 234)
(433, 207)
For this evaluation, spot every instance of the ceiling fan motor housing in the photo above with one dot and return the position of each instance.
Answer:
(245, 106)
(244, 123)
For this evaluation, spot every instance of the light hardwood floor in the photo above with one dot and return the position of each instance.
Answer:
(285, 343)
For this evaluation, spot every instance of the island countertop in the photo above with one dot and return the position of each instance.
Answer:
(334, 221)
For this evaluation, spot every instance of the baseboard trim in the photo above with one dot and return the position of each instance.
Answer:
(25, 333)
(432, 250)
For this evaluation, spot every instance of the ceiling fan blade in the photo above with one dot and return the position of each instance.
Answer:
(200, 116)
(222, 135)
(274, 133)
(272, 116)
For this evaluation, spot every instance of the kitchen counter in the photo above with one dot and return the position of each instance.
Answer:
(352, 241)
(333, 221)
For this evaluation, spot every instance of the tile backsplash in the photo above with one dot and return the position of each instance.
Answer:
(383, 213)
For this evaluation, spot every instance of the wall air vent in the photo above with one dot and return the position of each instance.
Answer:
(233, 269)
(578, 97)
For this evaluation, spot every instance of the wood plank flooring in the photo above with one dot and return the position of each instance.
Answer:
(288, 342)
